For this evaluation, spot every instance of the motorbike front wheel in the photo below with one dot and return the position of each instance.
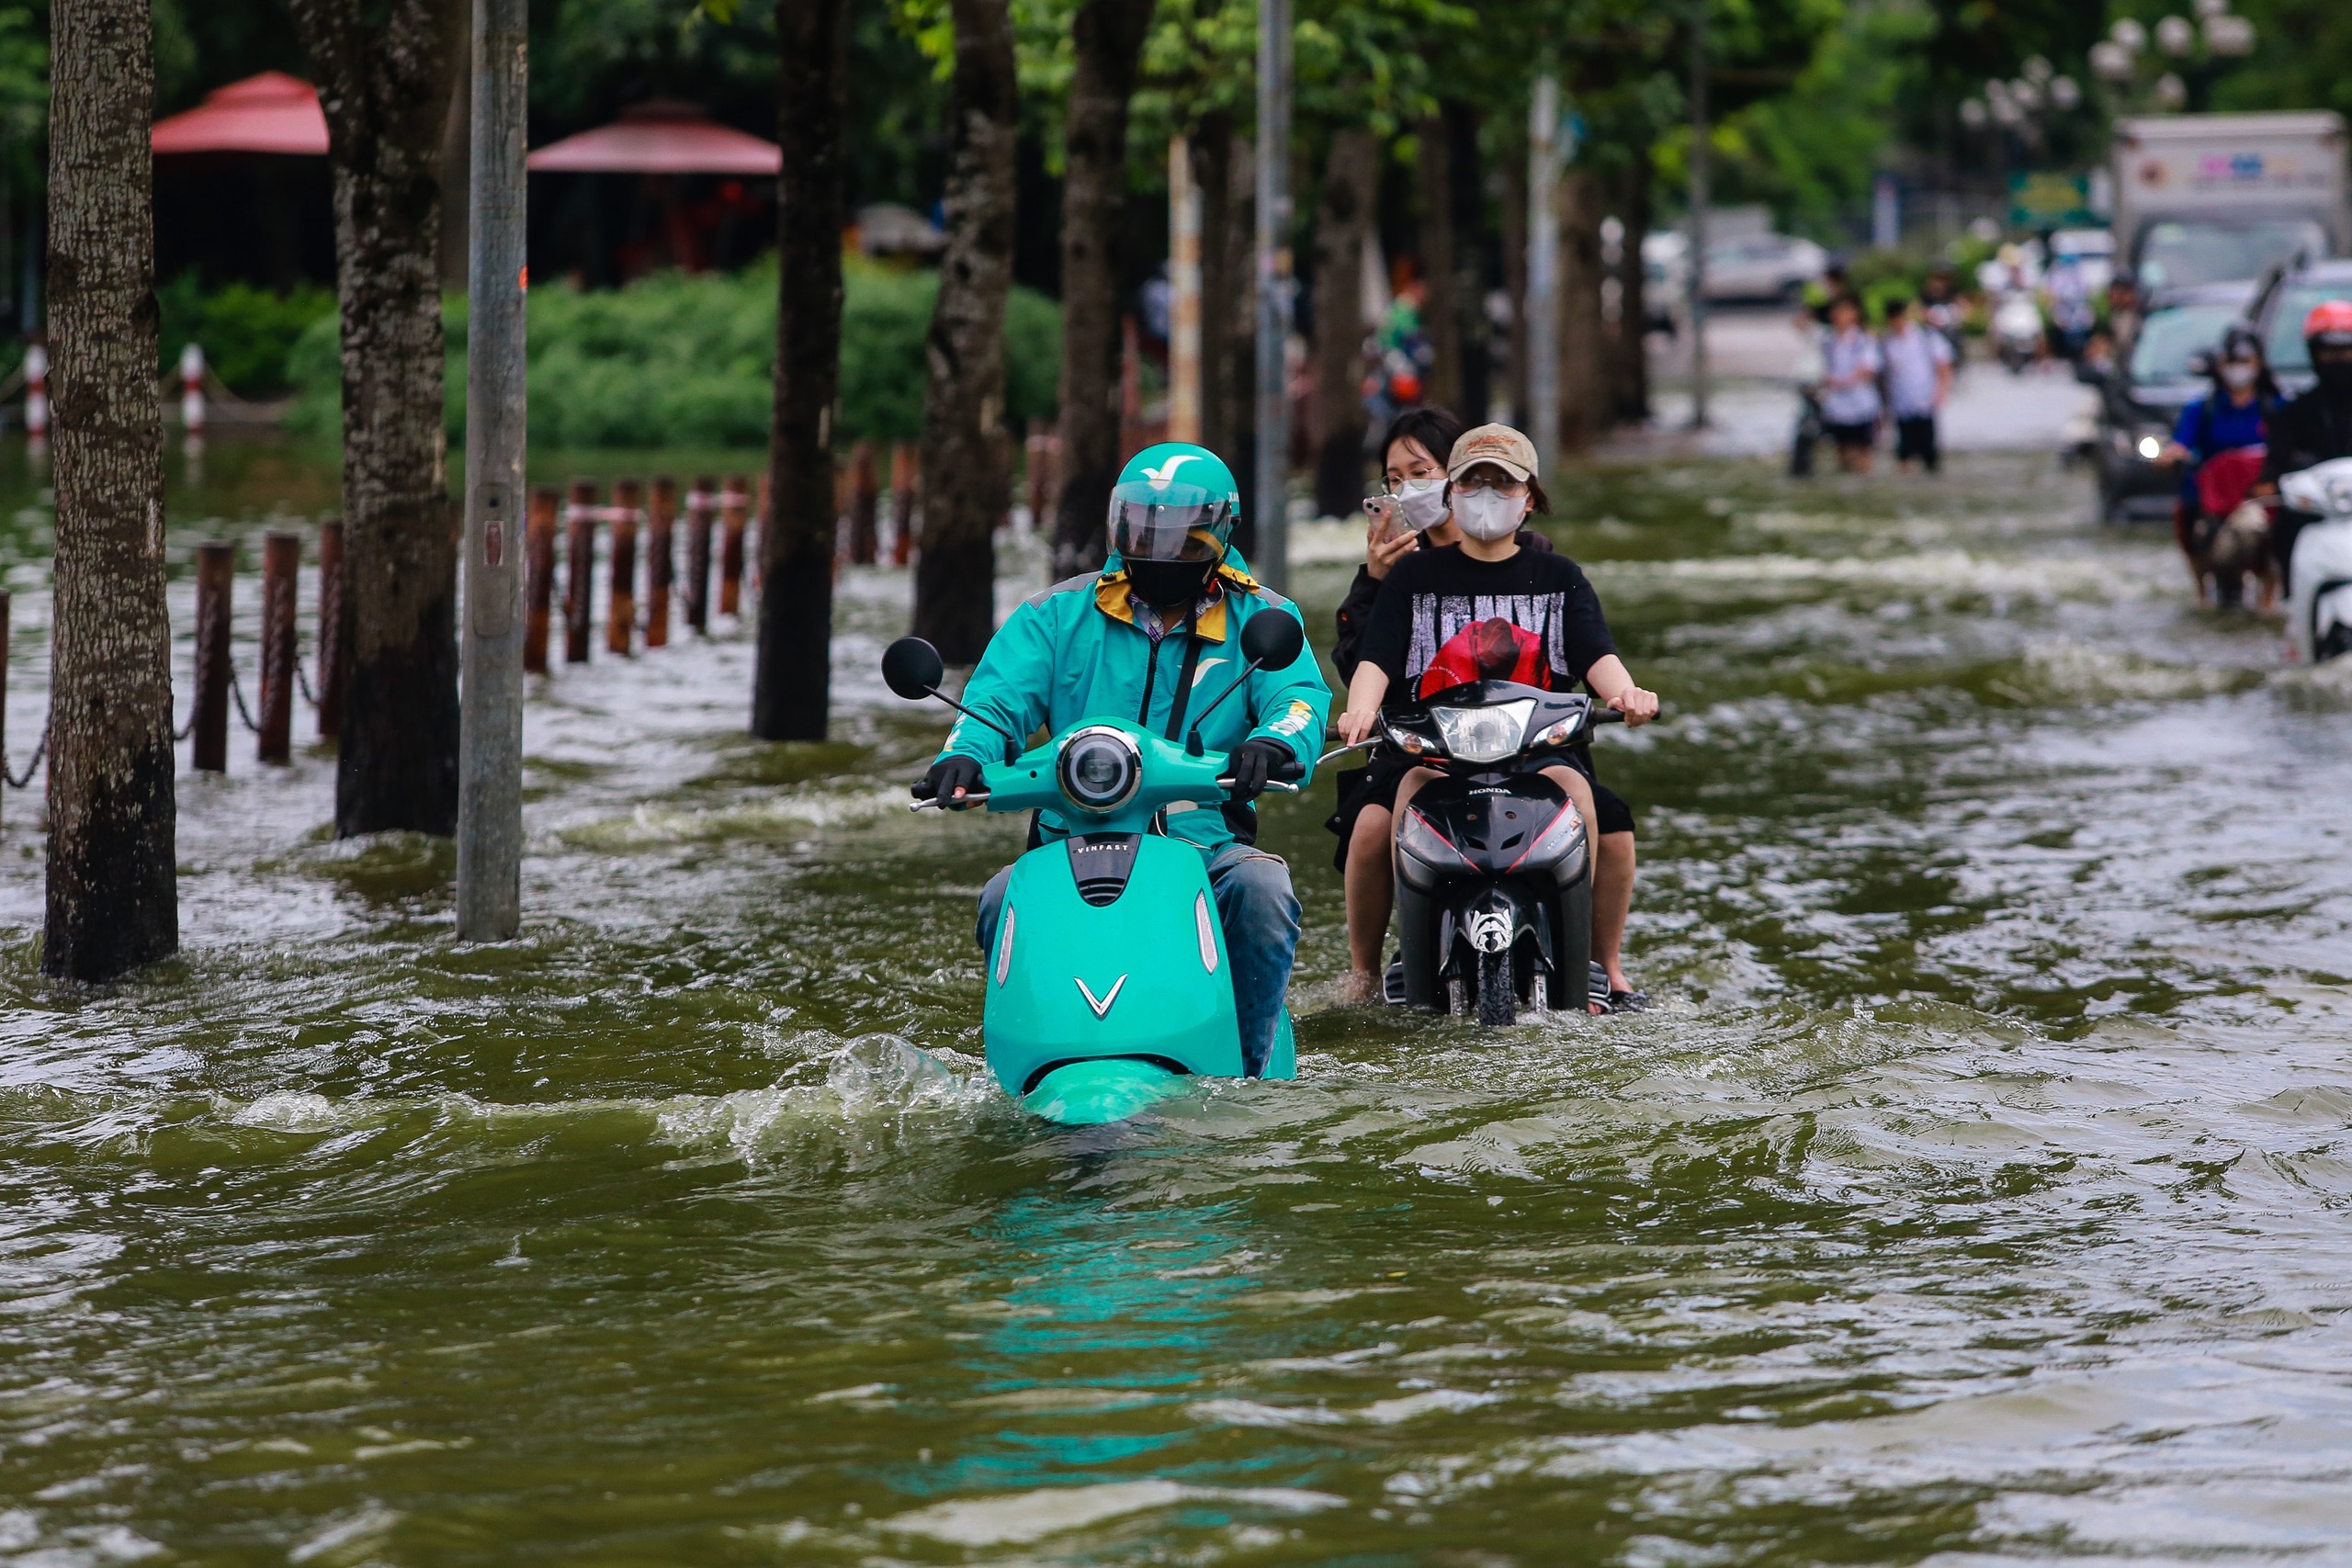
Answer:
(1498, 997)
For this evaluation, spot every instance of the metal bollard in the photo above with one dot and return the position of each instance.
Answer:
(902, 503)
(4, 686)
(538, 576)
(864, 505)
(734, 515)
(700, 502)
(621, 604)
(661, 511)
(215, 569)
(330, 628)
(580, 548)
(281, 567)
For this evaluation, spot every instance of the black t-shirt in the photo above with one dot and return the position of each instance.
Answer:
(1431, 594)
(2305, 431)
(1355, 610)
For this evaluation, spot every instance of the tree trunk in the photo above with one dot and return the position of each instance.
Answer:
(1440, 306)
(1584, 357)
(791, 687)
(1514, 227)
(1107, 37)
(383, 82)
(1342, 218)
(113, 903)
(1468, 221)
(457, 165)
(966, 486)
(1629, 359)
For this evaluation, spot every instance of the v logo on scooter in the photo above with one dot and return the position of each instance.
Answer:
(1103, 1008)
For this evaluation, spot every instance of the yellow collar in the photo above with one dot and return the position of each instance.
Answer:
(1112, 597)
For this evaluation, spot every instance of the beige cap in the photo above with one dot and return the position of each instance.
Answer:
(1495, 443)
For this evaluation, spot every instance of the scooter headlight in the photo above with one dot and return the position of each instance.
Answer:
(2149, 447)
(1484, 735)
(1099, 768)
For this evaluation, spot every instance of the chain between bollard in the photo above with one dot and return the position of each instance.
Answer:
(237, 690)
(31, 763)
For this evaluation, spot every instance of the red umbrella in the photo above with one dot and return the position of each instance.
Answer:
(660, 138)
(269, 113)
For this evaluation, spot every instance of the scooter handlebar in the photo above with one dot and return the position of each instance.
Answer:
(972, 801)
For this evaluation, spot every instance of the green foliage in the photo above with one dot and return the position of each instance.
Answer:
(247, 334)
(686, 360)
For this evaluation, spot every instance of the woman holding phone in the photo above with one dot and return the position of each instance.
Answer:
(1408, 514)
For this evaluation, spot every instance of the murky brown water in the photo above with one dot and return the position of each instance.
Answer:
(1976, 1192)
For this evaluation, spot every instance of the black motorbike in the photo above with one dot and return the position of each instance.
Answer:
(1493, 874)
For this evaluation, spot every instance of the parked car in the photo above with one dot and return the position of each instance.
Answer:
(2287, 296)
(1762, 267)
(1755, 266)
(2140, 400)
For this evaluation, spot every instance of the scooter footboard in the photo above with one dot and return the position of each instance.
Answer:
(1141, 974)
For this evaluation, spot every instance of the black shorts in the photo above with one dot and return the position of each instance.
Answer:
(1852, 435)
(1376, 785)
(1915, 439)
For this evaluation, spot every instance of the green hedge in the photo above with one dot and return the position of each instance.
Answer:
(247, 334)
(679, 360)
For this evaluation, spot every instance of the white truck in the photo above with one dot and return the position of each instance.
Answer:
(2212, 197)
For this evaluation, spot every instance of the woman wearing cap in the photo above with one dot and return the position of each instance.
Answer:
(1431, 595)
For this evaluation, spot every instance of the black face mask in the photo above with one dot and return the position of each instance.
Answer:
(1170, 585)
(2335, 377)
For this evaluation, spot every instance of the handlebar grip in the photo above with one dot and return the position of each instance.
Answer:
(1602, 716)
(970, 800)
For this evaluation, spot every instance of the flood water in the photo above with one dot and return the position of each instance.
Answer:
(1976, 1192)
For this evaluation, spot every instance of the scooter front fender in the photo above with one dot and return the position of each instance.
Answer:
(1141, 979)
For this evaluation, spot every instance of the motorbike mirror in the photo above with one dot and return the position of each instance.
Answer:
(1271, 642)
(912, 668)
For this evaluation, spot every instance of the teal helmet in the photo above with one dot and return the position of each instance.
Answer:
(1174, 502)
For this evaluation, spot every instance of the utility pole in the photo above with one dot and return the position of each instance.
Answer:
(1542, 304)
(1699, 201)
(1185, 294)
(490, 736)
(1272, 563)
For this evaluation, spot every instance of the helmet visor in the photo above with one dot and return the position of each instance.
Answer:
(1177, 523)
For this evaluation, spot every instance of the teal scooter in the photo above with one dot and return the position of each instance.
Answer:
(1108, 985)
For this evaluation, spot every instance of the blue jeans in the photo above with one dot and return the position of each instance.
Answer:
(1259, 914)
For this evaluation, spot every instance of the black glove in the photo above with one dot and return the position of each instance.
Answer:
(946, 776)
(1252, 763)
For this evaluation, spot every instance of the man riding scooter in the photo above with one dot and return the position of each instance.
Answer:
(1153, 638)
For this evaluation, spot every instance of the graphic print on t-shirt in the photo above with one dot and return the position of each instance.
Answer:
(1437, 618)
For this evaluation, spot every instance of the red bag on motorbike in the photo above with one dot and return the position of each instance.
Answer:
(1487, 650)
(2223, 478)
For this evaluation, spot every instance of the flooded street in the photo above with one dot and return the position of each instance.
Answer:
(1976, 1192)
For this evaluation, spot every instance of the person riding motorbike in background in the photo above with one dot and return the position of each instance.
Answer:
(1151, 638)
(1411, 514)
(2312, 428)
(1433, 593)
(2217, 443)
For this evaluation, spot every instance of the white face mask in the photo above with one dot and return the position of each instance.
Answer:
(1421, 503)
(2239, 375)
(1488, 514)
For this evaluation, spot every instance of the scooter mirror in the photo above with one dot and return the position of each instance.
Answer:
(913, 669)
(1272, 641)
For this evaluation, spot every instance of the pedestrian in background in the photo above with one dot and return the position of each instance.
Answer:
(1850, 363)
(1918, 378)
(1805, 375)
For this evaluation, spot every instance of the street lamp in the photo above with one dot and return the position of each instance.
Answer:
(2064, 95)
(2172, 93)
(1972, 113)
(2176, 36)
(2110, 62)
(2128, 35)
(2229, 35)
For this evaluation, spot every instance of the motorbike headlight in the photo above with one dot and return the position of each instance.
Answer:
(2151, 448)
(1099, 768)
(1484, 735)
